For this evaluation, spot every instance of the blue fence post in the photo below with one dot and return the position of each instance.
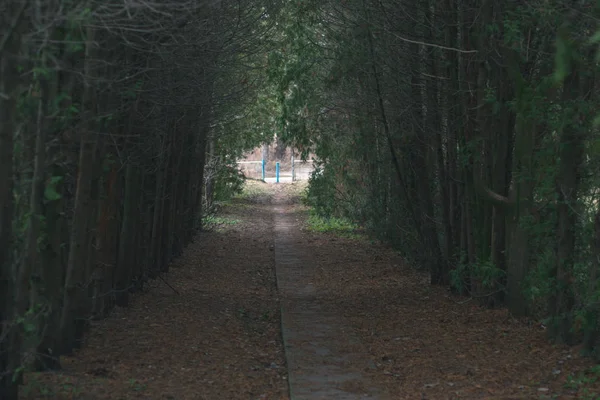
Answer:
(263, 169)
(277, 171)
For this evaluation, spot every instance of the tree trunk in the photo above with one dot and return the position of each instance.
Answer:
(28, 285)
(591, 339)
(9, 84)
(452, 207)
(125, 267)
(52, 275)
(431, 249)
(154, 253)
(71, 317)
(210, 180)
(571, 157)
(521, 196)
(106, 244)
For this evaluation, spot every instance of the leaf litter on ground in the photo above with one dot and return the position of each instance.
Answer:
(221, 339)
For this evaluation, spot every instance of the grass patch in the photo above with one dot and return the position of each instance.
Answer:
(582, 382)
(298, 192)
(137, 386)
(337, 226)
(255, 192)
(212, 222)
(37, 388)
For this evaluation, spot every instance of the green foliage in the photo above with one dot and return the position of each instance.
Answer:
(488, 276)
(28, 320)
(50, 192)
(136, 385)
(538, 285)
(595, 41)
(40, 72)
(132, 91)
(338, 226)
(39, 387)
(321, 192)
(564, 54)
(228, 181)
(255, 192)
(212, 222)
(581, 381)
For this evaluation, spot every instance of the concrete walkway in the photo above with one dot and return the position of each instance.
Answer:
(323, 357)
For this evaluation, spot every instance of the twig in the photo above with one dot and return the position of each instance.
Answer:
(167, 283)
(461, 302)
(476, 297)
(420, 42)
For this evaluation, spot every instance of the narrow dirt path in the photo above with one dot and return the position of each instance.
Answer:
(325, 360)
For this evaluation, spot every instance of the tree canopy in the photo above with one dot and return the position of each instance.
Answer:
(462, 132)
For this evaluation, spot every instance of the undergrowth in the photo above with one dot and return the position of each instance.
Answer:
(212, 222)
(584, 379)
(338, 226)
(255, 192)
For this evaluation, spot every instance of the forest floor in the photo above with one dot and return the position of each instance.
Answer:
(219, 337)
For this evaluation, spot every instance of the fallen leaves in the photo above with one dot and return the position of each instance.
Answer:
(218, 339)
(429, 344)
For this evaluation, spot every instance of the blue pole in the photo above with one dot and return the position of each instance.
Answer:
(263, 169)
(277, 171)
